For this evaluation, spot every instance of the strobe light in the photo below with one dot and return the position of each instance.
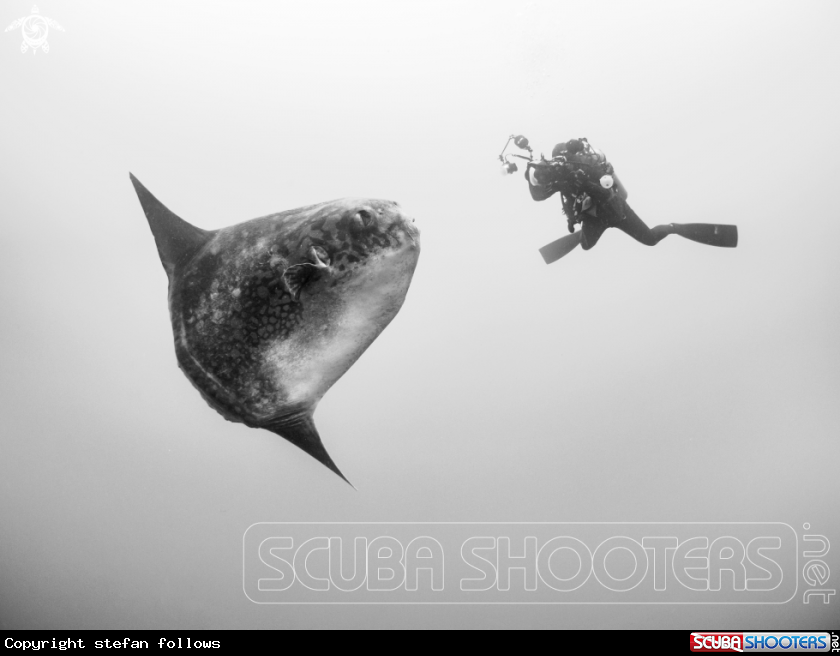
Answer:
(521, 142)
(508, 168)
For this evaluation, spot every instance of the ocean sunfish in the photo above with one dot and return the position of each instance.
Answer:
(268, 314)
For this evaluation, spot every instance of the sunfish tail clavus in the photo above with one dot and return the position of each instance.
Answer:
(268, 314)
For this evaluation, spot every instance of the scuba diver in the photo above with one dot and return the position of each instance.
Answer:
(594, 197)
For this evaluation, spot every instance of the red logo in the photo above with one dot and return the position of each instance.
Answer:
(717, 642)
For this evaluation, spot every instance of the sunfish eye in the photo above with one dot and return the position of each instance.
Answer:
(362, 219)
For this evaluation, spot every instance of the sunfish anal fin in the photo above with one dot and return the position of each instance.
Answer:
(300, 430)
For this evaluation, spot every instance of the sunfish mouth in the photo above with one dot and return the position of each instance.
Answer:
(408, 230)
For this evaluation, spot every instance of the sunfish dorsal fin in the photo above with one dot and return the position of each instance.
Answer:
(300, 430)
(177, 241)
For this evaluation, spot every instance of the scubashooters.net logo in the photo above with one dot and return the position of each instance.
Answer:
(539, 563)
(793, 641)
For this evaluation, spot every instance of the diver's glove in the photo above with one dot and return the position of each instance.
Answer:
(531, 174)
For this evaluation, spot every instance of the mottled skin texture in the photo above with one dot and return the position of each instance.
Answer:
(268, 314)
(233, 314)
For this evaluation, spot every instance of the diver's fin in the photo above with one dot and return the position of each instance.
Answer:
(177, 241)
(725, 236)
(300, 430)
(563, 246)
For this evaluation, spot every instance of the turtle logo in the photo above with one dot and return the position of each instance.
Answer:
(35, 29)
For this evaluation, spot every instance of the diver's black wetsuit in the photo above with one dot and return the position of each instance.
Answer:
(592, 227)
(576, 170)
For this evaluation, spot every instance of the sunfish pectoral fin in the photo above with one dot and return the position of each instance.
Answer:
(296, 276)
(300, 430)
(177, 241)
